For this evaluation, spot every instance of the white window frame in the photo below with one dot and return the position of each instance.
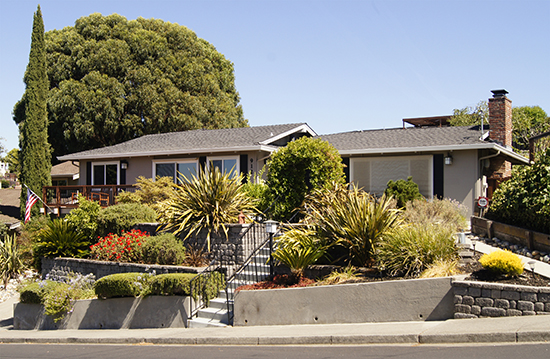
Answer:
(396, 158)
(117, 163)
(237, 170)
(195, 161)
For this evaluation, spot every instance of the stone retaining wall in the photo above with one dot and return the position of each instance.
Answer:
(478, 299)
(105, 268)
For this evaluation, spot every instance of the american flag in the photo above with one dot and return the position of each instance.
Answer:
(31, 200)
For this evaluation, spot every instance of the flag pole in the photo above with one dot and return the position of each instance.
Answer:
(51, 210)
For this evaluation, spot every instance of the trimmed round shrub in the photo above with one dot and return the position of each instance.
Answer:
(403, 191)
(121, 285)
(171, 284)
(31, 293)
(122, 217)
(502, 263)
(163, 249)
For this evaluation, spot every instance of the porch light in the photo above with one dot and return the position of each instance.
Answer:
(271, 226)
(448, 160)
(123, 165)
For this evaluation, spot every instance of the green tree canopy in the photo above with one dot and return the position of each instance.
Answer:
(471, 115)
(12, 159)
(111, 80)
(298, 168)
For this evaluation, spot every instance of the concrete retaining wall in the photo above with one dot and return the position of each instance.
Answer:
(115, 313)
(400, 300)
(105, 268)
(527, 238)
(479, 299)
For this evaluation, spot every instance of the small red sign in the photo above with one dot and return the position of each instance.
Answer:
(483, 202)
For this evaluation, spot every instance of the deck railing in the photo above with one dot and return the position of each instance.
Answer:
(57, 197)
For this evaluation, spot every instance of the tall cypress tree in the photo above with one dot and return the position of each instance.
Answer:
(31, 115)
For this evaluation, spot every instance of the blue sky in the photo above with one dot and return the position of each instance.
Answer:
(337, 65)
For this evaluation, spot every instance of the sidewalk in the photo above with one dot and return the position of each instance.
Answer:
(488, 330)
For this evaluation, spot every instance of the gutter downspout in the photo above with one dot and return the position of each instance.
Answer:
(482, 192)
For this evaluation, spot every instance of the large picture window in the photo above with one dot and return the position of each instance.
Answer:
(105, 173)
(177, 170)
(373, 174)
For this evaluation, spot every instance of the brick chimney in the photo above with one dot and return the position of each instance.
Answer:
(500, 131)
(500, 118)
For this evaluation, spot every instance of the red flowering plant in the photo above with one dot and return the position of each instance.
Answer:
(123, 248)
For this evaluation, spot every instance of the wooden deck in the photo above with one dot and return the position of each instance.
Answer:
(66, 197)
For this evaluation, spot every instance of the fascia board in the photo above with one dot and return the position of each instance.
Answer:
(481, 146)
(166, 153)
(305, 127)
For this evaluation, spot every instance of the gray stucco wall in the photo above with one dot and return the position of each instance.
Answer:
(403, 300)
(460, 178)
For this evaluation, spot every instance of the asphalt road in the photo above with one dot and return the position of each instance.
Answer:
(531, 351)
(9, 205)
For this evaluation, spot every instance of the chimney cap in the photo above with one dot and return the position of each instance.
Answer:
(499, 93)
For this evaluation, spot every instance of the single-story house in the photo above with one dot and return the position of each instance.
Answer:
(462, 163)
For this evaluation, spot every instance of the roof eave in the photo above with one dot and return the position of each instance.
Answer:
(77, 157)
(514, 157)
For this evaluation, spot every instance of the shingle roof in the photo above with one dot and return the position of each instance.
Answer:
(64, 169)
(410, 137)
(190, 141)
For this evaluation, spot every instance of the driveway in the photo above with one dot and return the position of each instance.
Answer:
(9, 205)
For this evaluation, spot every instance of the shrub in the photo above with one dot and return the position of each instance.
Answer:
(348, 274)
(171, 284)
(441, 268)
(124, 248)
(297, 249)
(84, 218)
(436, 211)
(524, 200)
(58, 297)
(352, 219)
(122, 217)
(208, 201)
(121, 285)
(403, 191)
(59, 239)
(298, 168)
(32, 293)
(412, 249)
(256, 188)
(149, 192)
(10, 261)
(502, 263)
(163, 249)
(195, 256)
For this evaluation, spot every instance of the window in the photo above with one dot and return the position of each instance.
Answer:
(105, 173)
(175, 170)
(373, 174)
(225, 165)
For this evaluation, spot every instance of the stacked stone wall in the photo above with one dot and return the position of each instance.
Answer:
(478, 299)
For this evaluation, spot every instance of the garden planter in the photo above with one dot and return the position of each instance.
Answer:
(114, 313)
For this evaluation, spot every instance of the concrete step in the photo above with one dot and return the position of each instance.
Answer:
(214, 314)
(204, 323)
(218, 303)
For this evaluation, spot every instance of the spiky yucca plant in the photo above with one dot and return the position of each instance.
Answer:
(299, 248)
(353, 219)
(206, 201)
(10, 261)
